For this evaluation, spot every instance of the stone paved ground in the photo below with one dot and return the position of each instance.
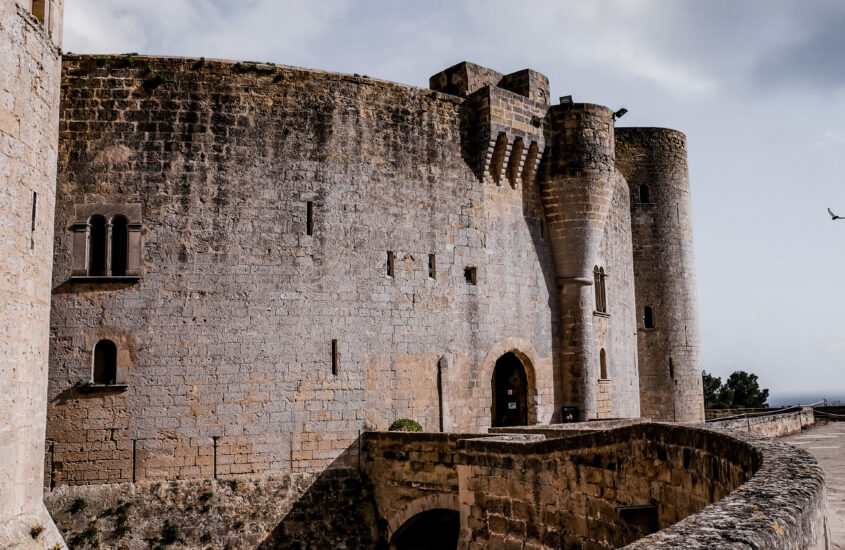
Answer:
(827, 444)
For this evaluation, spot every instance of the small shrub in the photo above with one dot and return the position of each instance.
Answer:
(206, 538)
(206, 496)
(90, 535)
(122, 507)
(405, 425)
(36, 530)
(279, 77)
(234, 485)
(199, 64)
(238, 525)
(155, 81)
(78, 505)
(102, 60)
(170, 532)
(356, 74)
(122, 528)
(130, 58)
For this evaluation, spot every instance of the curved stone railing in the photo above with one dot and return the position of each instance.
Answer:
(701, 487)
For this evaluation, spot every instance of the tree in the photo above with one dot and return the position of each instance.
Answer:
(740, 391)
(711, 390)
(746, 391)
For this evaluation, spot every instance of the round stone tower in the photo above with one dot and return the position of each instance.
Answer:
(30, 62)
(577, 192)
(654, 162)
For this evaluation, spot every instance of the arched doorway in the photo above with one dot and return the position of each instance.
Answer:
(430, 530)
(510, 392)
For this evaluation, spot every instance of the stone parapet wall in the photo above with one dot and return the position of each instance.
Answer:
(774, 425)
(544, 487)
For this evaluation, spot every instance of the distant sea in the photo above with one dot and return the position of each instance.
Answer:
(785, 399)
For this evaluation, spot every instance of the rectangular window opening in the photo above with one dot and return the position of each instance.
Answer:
(470, 275)
(390, 263)
(335, 358)
(32, 226)
(432, 267)
(309, 218)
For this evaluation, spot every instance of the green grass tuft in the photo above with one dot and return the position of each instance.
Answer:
(78, 505)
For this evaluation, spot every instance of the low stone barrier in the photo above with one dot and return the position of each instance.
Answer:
(546, 488)
(771, 425)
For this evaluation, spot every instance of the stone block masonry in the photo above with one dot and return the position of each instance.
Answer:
(30, 71)
(228, 332)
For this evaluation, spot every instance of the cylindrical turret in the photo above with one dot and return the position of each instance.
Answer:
(654, 161)
(577, 192)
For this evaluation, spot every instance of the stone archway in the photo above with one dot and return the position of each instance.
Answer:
(510, 392)
(524, 351)
(415, 509)
(435, 529)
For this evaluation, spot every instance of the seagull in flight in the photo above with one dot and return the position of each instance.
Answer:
(834, 216)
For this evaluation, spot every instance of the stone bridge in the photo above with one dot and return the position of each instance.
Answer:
(575, 487)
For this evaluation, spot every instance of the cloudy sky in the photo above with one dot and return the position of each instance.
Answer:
(758, 86)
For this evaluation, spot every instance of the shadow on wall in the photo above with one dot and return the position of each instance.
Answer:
(336, 511)
(535, 220)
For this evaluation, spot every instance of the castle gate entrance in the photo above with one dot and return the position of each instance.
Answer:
(510, 392)
(434, 529)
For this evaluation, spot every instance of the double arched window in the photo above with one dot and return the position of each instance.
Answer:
(599, 277)
(107, 241)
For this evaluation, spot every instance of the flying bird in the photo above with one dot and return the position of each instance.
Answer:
(834, 216)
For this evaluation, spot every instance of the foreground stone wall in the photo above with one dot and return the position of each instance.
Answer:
(29, 103)
(710, 488)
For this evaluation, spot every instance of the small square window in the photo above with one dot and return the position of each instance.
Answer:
(470, 275)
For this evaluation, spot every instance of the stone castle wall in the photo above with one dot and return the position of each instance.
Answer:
(29, 101)
(227, 334)
(664, 268)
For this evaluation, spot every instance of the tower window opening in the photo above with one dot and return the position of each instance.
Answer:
(309, 218)
(648, 317)
(32, 225)
(105, 362)
(119, 241)
(335, 358)
(389, 265)
(470, 275)
(97, 247)
(644, 195)
(603, 364)
(432, 267)
(40, 9)
(599, 278)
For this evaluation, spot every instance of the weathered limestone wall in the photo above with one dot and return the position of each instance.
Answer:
(29, 103)
(770, 426)
(334, 511)
(227, 334)
(664, 269)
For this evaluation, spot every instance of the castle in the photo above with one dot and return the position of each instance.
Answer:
(250, 265)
